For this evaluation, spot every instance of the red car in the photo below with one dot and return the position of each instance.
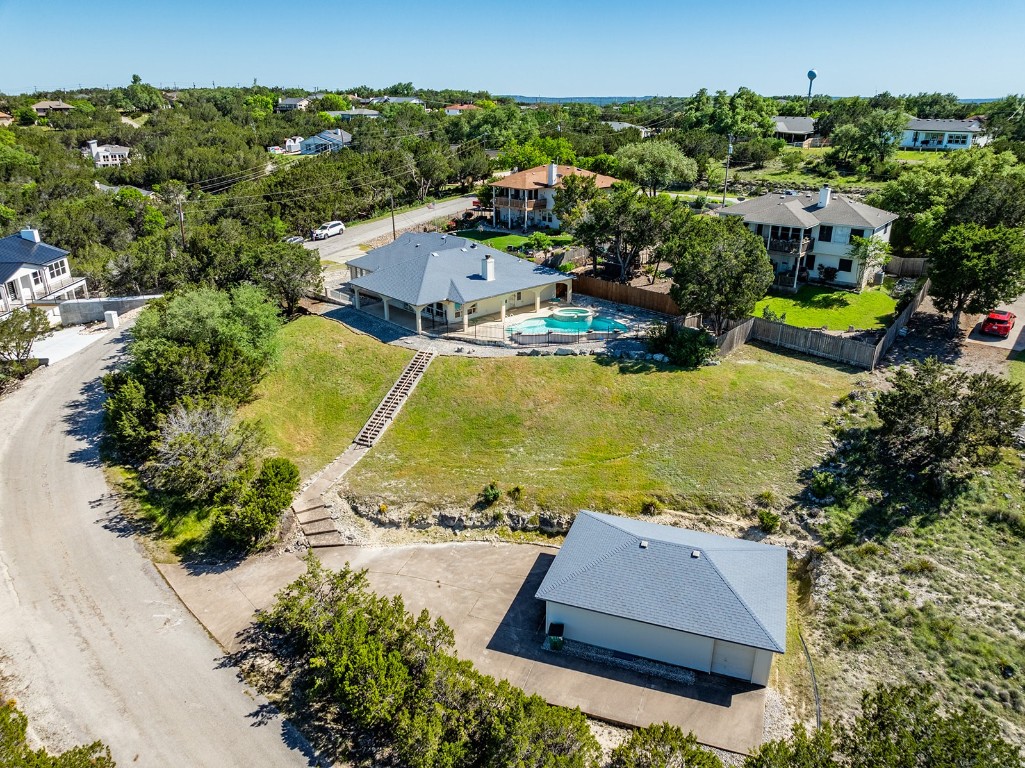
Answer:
(999, 323)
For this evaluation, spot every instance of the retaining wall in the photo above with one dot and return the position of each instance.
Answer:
(78, 311)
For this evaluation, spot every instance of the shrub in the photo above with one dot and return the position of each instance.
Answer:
(766, 498)
(768, 520)
(822, 484)
(771, 316)
(567, 266)
(662, 745)
(515, 493)
(539, 241)
(249, 513)
(855, 634)
(827, 274)
(685, 347)
(490, 494)
(650, 507)
(918, 565)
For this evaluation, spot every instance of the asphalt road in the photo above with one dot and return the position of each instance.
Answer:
(93, 643)
(356, 234)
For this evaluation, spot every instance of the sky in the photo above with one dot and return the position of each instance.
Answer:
(529, 47)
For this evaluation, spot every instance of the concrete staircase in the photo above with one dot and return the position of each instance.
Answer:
(396, 397)
(319, 528)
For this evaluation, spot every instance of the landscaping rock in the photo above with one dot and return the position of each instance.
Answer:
(535, 352)
(660, 358)
(564, 351)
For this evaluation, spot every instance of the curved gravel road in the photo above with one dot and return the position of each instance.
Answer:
(93, 643)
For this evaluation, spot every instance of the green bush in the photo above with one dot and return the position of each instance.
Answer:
(766, 499)
(567, 266)
(250, 512)
(662, 746)
(918, 565)
(823, 484)
(539, 241)
(490, 494)
(768, 520)
(685, 347)
(650, 507)
(855, 634)
(515, 493)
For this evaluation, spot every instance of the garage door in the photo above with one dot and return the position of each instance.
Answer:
(733, 660)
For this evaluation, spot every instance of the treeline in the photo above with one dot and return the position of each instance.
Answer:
(395, 678)
(192, 360)
(15, 751)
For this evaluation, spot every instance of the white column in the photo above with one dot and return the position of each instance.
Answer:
(501, 312)
(384, 303)
(419, 319)
(355, 297)
(466, 321)
(537, 300)
(569, 291)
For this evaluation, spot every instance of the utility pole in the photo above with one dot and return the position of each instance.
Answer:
(391, 199)
(181, 221)
(729, 154)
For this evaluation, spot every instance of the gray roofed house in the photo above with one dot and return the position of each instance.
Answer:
(292, 102)
(619, 125)
(943, 134)
(33, 272)
(395, 100)
(331, 140)
(804, 232)
(352, 114)
(794, 130)
(692, 599)
(447, 279)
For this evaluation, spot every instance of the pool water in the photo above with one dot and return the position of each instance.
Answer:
(538, 325)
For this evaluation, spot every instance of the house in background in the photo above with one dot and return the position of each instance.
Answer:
(527, 198)
(331, 140)
(619, 125)
(804, 233)
(454, 110)
(6, 119)
(795, 131)
(445, 279)
(106, 155)
(395, 100)
(292, 146)
(352, 114)
(44, 108)
(927, 133)
(33, 273)
(695, 600)
(288, 104)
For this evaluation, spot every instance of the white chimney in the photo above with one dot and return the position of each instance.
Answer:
(553, 174)
(487, 268)
(32, 235)
(92, 145)
(824, 195)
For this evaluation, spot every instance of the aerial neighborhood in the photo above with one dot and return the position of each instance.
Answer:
(449, 427)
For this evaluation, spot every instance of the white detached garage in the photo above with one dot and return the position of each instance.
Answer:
(697, 600)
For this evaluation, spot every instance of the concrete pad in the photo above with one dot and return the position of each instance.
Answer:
(67, 341)
(1015, 341)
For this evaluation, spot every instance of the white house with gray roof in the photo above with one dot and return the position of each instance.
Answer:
(935, 134)
(805, 232)
(33, 273)
(696, 600)
(446, 280)
(795, 131)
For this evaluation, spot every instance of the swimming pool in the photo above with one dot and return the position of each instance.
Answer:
(578, 325)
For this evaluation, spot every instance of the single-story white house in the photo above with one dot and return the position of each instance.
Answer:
(291, 103)
(803, 232)
(619, 125)
(454, 110)
(795, 131)
(331, 140)
(447, 279)
(106, 155)
(34, 273)
(696, 600)
(929, 133)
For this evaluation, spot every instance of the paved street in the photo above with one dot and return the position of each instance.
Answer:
(357, 233)
(1015, 341)
(93, 642)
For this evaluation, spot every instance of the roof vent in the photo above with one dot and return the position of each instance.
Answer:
(644, 544)
(473, 245)
(695, 553)
(434, 253)
(463, 250)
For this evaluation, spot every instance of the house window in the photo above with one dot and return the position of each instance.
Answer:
(57, 269)
(856, 233)
(825, 234)
(960, 139)
(845, 265)
(758, 230)
(809, 261)
(37, 278)
(519, 295)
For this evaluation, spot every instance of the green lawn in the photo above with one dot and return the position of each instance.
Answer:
(501, 241)
(815, 306)
(1016, 368)
(322, 390)
(583, 433)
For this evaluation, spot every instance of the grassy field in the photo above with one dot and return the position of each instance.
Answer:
(815, 306)
(325, 386)
(501, 242)
(581, 433)
(1016, 368)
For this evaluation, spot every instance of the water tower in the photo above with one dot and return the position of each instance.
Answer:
(812, 74)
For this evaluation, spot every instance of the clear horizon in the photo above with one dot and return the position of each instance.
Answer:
(575, 48)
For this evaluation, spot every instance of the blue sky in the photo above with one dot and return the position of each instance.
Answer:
(531, 47)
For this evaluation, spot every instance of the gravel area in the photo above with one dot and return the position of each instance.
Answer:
(608, 657)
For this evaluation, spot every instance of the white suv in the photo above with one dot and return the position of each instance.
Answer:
(327, 229)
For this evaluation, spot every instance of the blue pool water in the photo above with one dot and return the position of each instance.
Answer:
(538, 325)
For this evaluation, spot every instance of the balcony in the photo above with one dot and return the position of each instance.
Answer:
(521, 205)
(800, 247)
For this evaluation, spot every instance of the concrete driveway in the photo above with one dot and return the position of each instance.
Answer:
(1015, 341)
(486, 594)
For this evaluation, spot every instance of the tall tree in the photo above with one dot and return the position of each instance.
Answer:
(973, 269)
(880, 131)
(655, 165)
(19, 331)
(720, 268)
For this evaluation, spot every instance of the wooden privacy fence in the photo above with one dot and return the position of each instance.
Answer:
(900, 266)
(818, 343)
(625, 294)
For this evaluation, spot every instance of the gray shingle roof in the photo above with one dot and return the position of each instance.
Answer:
(734, 590)
(804, 211)
(14, 249)
(421, 268)
(790, 124)
(930, 124)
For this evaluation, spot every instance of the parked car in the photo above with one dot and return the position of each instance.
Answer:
(295, 239)
(327, 229)
(999, 323)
